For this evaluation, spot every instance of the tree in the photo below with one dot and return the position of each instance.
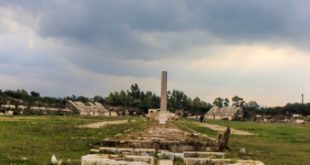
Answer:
(99, 99)
(226, 102)
(252, 104)
(218, 102)
(135, 91)
(198, 106)
(34, 94)
(237, 101)
(178, 100)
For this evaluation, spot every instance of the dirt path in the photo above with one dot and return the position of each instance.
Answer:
(219, 128)
(102, 124)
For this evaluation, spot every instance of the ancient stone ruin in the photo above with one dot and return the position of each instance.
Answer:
(162, 115)
(227, 113)
(89, 109)
(161, 141)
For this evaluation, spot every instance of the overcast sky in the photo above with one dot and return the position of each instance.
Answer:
(256, 49)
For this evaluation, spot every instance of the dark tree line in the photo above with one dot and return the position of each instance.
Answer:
(134, 97)
(288, 109)
(177, 100)
(22, 97)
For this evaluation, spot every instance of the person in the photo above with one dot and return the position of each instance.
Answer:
(202, 116)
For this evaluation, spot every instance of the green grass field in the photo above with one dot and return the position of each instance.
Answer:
(34, 139)
(275, 144)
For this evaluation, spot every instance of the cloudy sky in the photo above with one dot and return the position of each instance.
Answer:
(258, 49)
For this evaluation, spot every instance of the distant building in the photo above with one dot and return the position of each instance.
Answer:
(7, 106)
(21, 107)
(228, 113)
(89, 109)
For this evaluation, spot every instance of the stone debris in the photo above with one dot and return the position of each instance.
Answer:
(242, 151)
(54, 160)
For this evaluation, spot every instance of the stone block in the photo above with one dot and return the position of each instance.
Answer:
(144, 151)
(193, 154)
(197, 161)
(300, 121)
(165, 162)
(101, 159)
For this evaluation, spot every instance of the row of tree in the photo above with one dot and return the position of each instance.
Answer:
(21, 96)
(177, 100)
(135, 97)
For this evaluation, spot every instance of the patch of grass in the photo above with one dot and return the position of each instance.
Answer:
(275, 143)
(34, 139)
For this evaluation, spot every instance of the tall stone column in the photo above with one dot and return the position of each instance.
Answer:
(163, 96)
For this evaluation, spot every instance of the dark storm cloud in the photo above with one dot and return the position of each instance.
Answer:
(114, 21)
(133, 29)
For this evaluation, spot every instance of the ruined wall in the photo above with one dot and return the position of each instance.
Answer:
(89, 109)
(228, 113)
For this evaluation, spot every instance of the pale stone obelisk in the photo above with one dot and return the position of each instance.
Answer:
(163, 99)
(163, 96)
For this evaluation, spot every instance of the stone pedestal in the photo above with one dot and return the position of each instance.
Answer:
(163, 117)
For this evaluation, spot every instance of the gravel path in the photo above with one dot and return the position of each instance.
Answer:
(103, 123)
(219, 128)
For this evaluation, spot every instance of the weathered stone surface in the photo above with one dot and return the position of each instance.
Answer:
(229, 113)
(89, 109)
(194, 154)
(248, 162)
(300, 121)
(163, 96)
(175, 146)
(100, 159)
(170, 155)
(165, 162)
(196, 161)
(127, 151)
(94, 151)
(163, 117)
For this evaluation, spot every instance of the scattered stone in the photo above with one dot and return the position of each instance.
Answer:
(54, 160)
(242, 151)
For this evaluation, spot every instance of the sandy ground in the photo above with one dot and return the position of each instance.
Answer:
(219, 128)
(102, 124)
